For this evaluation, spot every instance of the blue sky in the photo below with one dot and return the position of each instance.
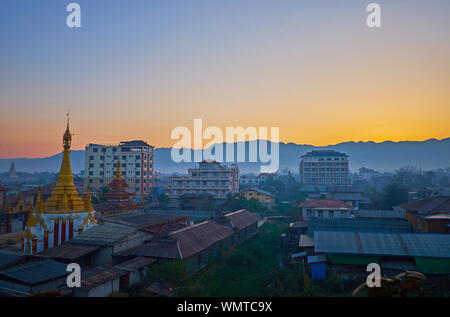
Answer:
(137, 69)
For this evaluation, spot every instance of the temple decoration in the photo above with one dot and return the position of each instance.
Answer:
(116, 198)
(18, 212)
(63, 215)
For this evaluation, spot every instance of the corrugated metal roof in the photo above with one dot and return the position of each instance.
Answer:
(317, 258)
(99, 275)
(163, 249)
(8, 258)
(386, 214)
(68, 251)
(394, 244)
(362, 197)
(106, 235)
(36, 272)
(143, 220)
(440, 204)
(357, 225)
(135, 264)
(196, 238)
(332, 204)
(242, 218)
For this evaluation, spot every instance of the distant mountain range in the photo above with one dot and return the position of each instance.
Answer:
(384, 156)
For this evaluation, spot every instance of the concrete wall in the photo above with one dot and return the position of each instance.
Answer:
(327, 214)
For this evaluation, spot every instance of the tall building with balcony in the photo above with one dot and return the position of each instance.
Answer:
(210, 177)
(324, 167)
(136, 161)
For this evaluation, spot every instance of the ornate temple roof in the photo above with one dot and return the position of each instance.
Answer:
(117, 186)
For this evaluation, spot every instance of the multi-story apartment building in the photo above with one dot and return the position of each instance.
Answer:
(210, 177)
(324, 167)
(136, 164)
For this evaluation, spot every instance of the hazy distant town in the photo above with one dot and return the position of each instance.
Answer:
(215, 231)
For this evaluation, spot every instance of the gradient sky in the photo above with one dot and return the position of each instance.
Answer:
(137, 69)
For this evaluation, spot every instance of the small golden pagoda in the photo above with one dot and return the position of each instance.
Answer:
(117, 188)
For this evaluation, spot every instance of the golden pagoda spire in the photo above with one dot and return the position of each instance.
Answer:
(39, 207)
(64, 184)
(118, 174)
(87, 201)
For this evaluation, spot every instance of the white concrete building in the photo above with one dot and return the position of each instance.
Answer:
(325, 208)
(210, 177)
(136, 159)
(324, 167)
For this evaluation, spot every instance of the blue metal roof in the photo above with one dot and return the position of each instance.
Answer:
(36, 272)
(358, 225)
(103, 235)
(8, 258)
(383, 244)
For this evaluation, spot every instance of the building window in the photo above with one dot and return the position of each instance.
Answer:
(91, 158)
(124, 158)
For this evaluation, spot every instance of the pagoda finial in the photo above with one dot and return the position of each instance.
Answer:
(118, 174)
(67, 138)
(39, 208)
(87, 200)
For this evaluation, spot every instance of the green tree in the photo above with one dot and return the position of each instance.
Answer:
(394, 195)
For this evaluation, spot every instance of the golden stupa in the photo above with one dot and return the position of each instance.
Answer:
(65, 198)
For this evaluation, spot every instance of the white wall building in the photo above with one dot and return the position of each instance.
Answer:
(324, 167)
(325, 208)
(136, 158)
(210, 177)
